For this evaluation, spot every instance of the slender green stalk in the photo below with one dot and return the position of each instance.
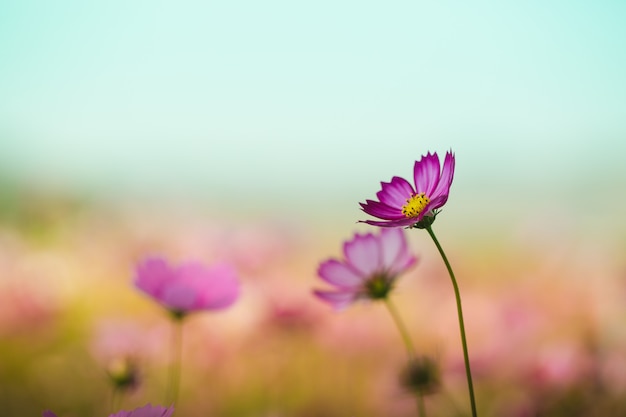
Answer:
(421, 409)
(122, 375)
(401, 327)
(116, 397)
(173, 381)
(459, 309)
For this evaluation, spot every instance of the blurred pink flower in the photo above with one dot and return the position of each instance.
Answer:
(188, 287)
(121, 345)
(125, 338)
(399, 204)
(25, 306)
(372, 264)
(147, 410)
(560, 365)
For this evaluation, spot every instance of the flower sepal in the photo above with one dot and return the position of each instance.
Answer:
(177, 315)
(426, 221)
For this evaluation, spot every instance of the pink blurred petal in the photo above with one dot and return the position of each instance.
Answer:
(395, 251)
(224, 289)
(362, 253)
(338, 300)
(339, 274)
(179, 297)
(152, 274)
(189, 287)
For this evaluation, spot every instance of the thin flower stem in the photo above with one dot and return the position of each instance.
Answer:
(421, 409)
(173, 384)
(116, 396)
(457, 294)
(401, 327)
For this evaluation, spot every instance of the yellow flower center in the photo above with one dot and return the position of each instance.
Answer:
(415, 205)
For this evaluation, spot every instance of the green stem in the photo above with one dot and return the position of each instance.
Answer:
(173, 384)
(457, 294)
(116, 397)
(401, 327)
(421, 409)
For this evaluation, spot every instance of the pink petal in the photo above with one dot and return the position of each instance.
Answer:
(391, 223)
(404, 262)
(434, 204)
(447, 175)
(392, 242)
(395, 193)
(192, 273)
(426, 174)
(338, 300)
(395, 251)
(218, 287)
(362, 253)
(339, 274)
(382, 210)
(152, 275)
(179, 297)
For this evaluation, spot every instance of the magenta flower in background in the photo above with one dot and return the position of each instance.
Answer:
(372, 264)
(147, 410)
(401, 204)
(188, 287)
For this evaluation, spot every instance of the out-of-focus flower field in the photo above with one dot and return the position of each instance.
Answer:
(545, 314)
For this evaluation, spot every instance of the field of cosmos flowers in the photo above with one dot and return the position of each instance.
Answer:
(109, 308)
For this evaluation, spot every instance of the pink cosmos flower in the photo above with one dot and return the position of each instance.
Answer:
(147, 410)
(188, 287)
(401, 204)
(372, 264)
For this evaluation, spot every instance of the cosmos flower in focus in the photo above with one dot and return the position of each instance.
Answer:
(402, 204)
(188, 287)
(370, 268)
(147, 410)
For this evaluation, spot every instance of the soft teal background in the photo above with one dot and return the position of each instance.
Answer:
(306, 102)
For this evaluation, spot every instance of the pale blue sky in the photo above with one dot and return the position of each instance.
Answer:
(296, 99)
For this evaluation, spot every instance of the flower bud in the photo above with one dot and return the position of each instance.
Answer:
(421, 375)
(123, 374)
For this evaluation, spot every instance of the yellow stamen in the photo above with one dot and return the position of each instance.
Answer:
(415, 205)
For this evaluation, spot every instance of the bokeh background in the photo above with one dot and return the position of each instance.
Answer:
(249, 132)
